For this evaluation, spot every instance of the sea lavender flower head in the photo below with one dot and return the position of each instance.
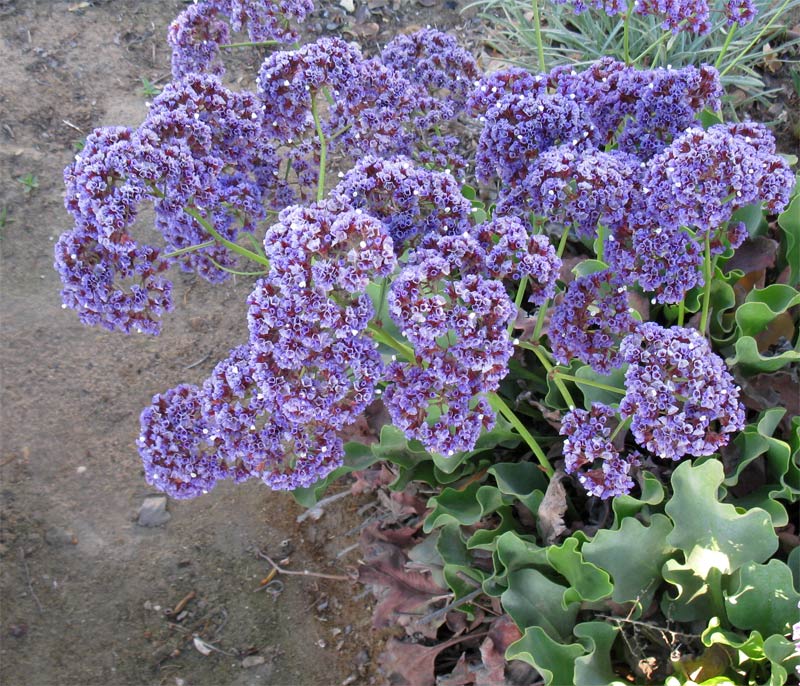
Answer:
(435, 61)
(197, 33)
(289, 83)
(591, 455)
(680, 396)
(410, 201)
(591, 321)
(491, 88)
(704, 176)
(519, 128)
(513, 252)
(578, 189)
(176, 456)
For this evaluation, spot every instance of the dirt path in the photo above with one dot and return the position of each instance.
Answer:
(84, 587)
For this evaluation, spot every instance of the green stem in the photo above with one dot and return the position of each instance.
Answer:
(191, 248)
(499, 405)
(740, 55)
(681, 311)
(622, 426)
(537, 331)
(589, 382)
(381, 336)
(244, 252)
(708, 270)
(235, 271)
(725, 45)
(560, 385)
(537, 27)
(601, 241)
(661, 39)
(323, 150)
(626, 30)
(256, 245)
(523, 284)
(259, 44)
(714, 581)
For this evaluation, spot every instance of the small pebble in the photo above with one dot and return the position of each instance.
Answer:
(153, 511)
(253, 661)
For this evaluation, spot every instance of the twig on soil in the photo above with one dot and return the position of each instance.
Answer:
(28, 579)
(182, 603)
(450, 606)
(346, 550)
(198, 363)
(305, 572)
(648, 625)
(317, 511)
(66, 122)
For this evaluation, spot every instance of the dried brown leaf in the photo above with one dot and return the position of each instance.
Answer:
(551, 510)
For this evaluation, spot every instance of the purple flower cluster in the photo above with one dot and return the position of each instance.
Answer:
(434, 61)
(200, 146)
(457, 325)
(692, 16)
(703, 177)
(680, 396)
(198, 32)
(590, 322)
(590, 453)
(273, 408)
(411, 201)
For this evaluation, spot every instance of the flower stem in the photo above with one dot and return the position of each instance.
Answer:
(743, 53)
(681, 311)
(381, 336)
(589, 382)
(560, 385)
(323, 150)
(523, 284)
(626, 31)
(725, 46)
(537, 331)
(537, 27)
(258, 44)
(499, 405)
(244, 252)
(622, 426)
(191, 248)
(708, 270)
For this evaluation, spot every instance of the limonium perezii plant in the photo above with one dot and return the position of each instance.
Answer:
(606, 205)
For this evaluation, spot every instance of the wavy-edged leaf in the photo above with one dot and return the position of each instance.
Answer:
(586, 581)
(553, 660)
(789, 221)
(713, 535)
(592, 394)
(633, 555)
(513, 551)
(532, 599)
(762, 305)
(523, 480)
(782, 473)
(466, 506)
(751, 361)
(627, 505)
(594, 668)
(692, 600)
(764, 598)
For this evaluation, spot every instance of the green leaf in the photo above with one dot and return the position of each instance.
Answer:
(692, 600)
(709, 118)
(762, 305)
(553, 660)
(588, 267)
(784, 659)
(522, 480)
(513, 551)
(764, 598)
(633, 555)
(465, 507)
(751, 647)
(356, 458)
(483, 539)
(534, 600)
(592, 394)
(586, 581)
(753, 362)
(752, 216)
(781, 472)
(627, 505)
(789, 221)
(711, 534)
(594, 668)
